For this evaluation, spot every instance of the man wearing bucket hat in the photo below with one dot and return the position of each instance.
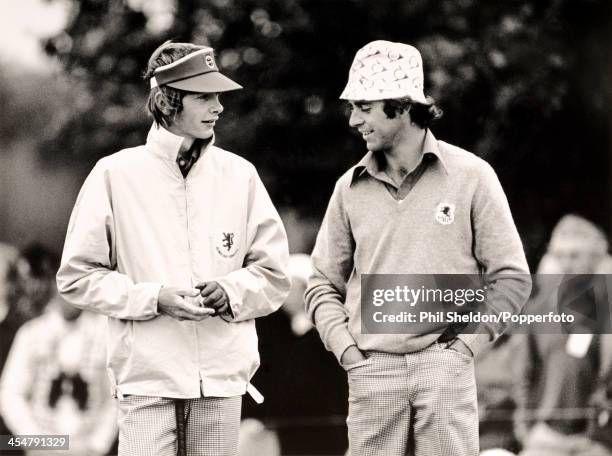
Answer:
(412, 205)
(178, 243)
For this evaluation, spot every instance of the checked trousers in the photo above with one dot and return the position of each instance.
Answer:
(147, 426)
(430, 394)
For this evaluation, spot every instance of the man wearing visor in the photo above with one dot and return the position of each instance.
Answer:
(178, 243)
(412, 205)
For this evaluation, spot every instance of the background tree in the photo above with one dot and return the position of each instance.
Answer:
(523, 83)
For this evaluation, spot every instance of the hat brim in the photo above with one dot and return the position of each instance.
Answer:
(369, 96)
(206, 83)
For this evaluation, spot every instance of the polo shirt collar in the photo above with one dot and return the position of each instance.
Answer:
(371, 163)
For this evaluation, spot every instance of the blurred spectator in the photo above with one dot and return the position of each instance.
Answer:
(31, 282)
(22, 292)
(8, 328)
(495, 389)
(601, 426)
(54, 380)
(256, 440)
(558, 372)
(496, 452)
(8, 254)
(577, 245)
(299, 405)
(300, 268)
(496, 370)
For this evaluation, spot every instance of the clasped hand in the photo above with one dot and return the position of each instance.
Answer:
(171, 301)
(214, 297)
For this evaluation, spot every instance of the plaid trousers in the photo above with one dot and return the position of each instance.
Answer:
(430, 393)
(147, 426)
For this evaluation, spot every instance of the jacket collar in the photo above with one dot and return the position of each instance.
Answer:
(167, 145)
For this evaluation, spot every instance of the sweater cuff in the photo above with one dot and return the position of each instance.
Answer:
(339, 342)
(475, 342)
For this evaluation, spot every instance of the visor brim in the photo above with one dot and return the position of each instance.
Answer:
(206, 83)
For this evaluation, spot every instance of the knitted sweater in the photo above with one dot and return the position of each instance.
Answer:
(455, 219)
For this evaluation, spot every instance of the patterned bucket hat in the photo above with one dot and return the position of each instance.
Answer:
(384, 70)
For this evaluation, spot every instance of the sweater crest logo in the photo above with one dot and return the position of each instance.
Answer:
(227, 243)
(445, 213)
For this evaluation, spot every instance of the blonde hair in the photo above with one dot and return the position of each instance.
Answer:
(165, 54)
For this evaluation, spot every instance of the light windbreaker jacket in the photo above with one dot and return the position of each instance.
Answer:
(137, 225)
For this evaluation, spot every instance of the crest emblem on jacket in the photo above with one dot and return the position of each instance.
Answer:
(445, 213)
(227, 244)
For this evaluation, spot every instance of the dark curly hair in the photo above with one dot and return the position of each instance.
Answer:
(421, 114)
(166, 53)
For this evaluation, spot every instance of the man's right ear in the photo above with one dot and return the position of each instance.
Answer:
(162, 103)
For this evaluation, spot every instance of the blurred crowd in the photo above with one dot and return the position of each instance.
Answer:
(549, 394)
(53, 356)
(538, 394)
